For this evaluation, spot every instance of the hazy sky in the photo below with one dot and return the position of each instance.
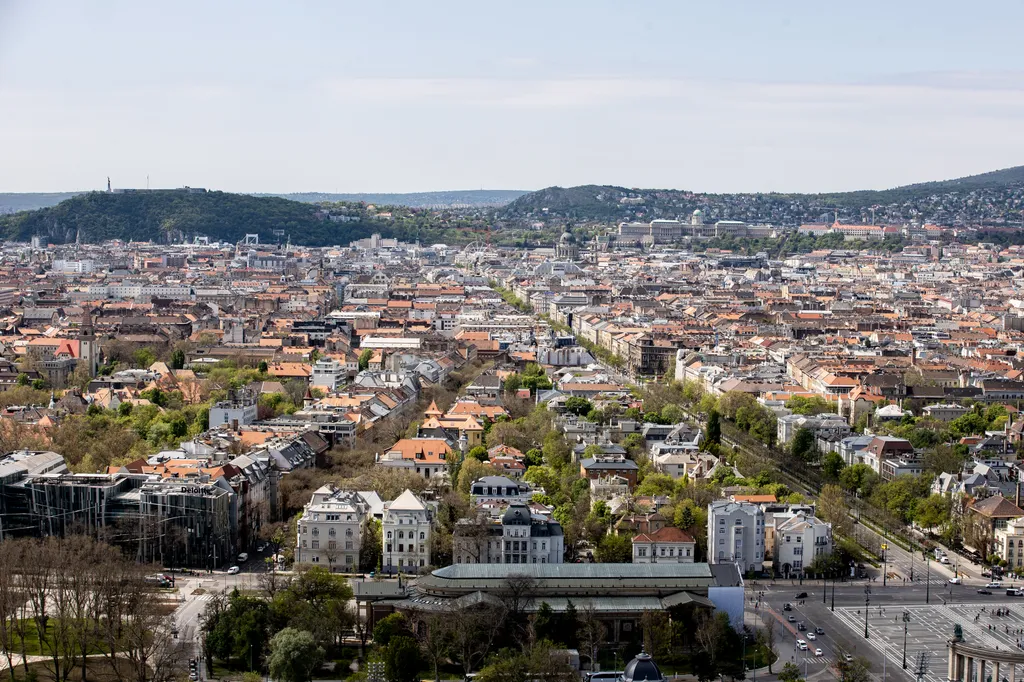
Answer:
(411, 96)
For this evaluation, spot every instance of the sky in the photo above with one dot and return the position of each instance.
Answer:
(392, 96)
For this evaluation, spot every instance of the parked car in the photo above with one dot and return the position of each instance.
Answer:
(243, 557)
(944, 560)
(233, 570)
(604, 675)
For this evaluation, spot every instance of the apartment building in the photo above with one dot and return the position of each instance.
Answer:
(736, 534)
(406, 527)
(330, 528)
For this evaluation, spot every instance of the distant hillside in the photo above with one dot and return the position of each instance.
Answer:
(994, 199)
(472, 198)
(176, 215)
(12, 202)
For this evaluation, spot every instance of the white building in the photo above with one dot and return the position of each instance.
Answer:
(328, 374)
(1009, 543)
(798, 540)
(499, 489)
(330, 528)
(665, 545)
(240, 409)
(406, 529)
(736, 534)
(517, 537)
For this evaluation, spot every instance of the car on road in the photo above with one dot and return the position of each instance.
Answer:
(792, 619)
(801, 645)
(801, 627)
(802, 595)
(818, 652)
(984, 591)
(956, 581)
(193, 676)
(604, 675)
(944, 560)
(787, 607)
(819, 631)
(233, 570)
(811, 636)
(243, 557)
(848, 658)
(994, 585)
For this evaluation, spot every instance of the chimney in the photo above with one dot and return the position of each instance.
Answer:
(234, 425)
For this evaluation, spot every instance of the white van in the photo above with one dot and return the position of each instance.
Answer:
(801, 645)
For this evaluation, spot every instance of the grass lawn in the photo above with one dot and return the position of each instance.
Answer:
(97, 670)
(33, 646)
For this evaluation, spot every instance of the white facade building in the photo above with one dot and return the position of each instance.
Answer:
(665, 545)
(328, 374)
(329, 531)
(406, 528)
(518, 537)
(736, 534)
(798, 540)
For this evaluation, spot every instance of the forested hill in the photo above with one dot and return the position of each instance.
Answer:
(995, 199)
(175, 215)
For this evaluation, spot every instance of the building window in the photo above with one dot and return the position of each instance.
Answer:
(423, 536)
(332, 544)
(348, 532)
(332, 532)
(348, 544)
(316, 544)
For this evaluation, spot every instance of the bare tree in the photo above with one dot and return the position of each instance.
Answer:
(766, 640)
(10, 596)
(434, 633)
(591, 632)
(473, 634)
(470, 538)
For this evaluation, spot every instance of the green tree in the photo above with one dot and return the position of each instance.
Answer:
(390, 626)
(790, 673)
(832, 465)
(364, 358)
(294, 656)
(402, 659)
(262, 368)
(614, 549)
(713, 431)
(859, 478)
(802, 447)
(479, 453)
(809, 405)
(578, 406)
(177, 359)
(143, 357)
(933, 511)
(671, 414)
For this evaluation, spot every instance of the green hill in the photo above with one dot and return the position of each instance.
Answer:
(175, 215)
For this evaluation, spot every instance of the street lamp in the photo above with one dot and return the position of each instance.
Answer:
(884, 569)
(833, 594)
(906, 621)
(867, 601)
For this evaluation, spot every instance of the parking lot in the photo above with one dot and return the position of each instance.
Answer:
(929, 629)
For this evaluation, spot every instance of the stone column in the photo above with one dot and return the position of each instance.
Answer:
(951, 666)
(969, 669)
(1013, 672)
(995, 672)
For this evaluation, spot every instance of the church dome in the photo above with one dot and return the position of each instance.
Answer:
(567, 238)
(642, 668)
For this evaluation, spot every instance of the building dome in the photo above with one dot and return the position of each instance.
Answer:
(516, 515)
(642, 668)
(567, 238)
